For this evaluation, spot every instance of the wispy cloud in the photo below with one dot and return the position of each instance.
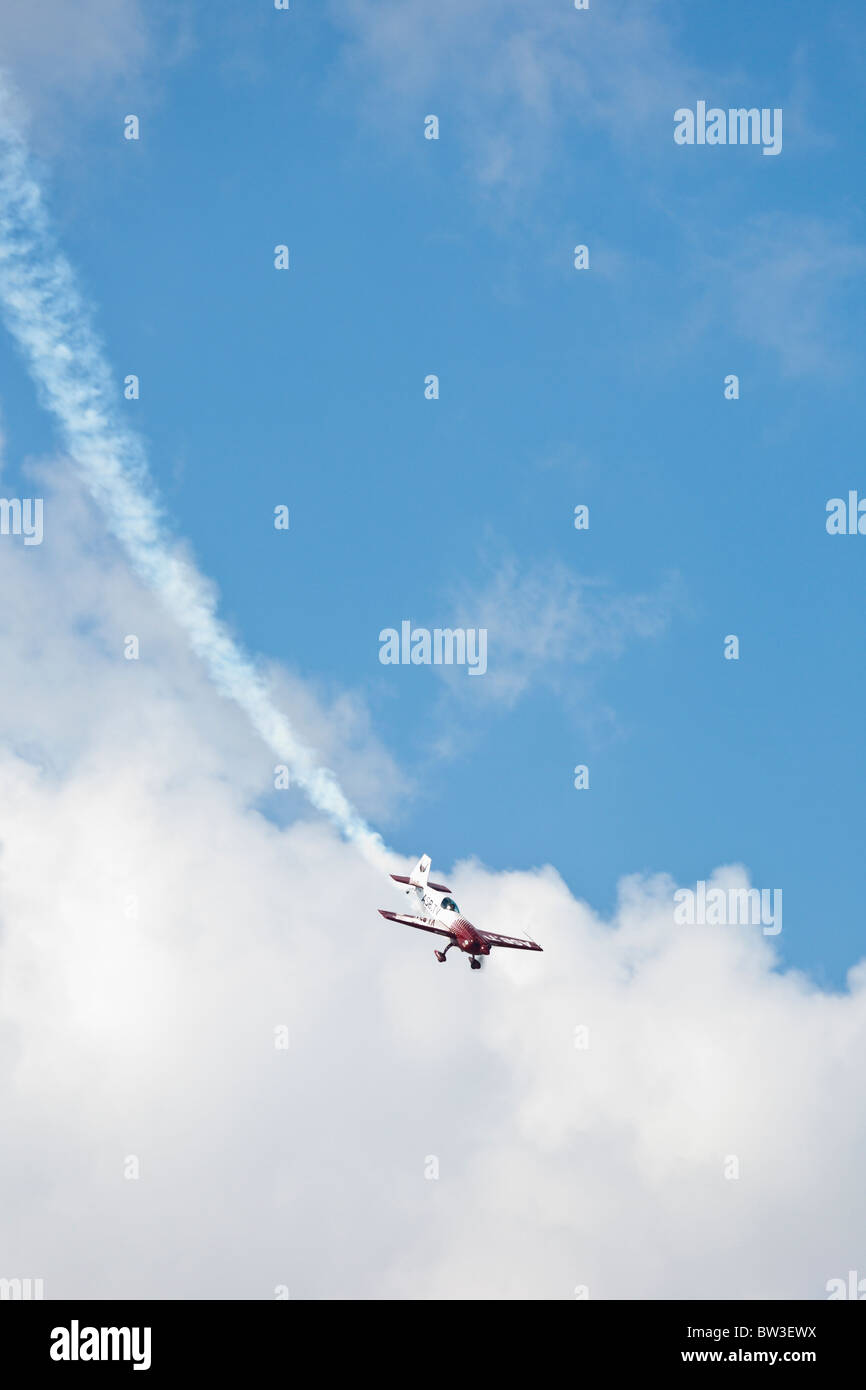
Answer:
(784, 283)
(545, 620)
(510, 80)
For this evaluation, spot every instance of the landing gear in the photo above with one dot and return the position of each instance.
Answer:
(474, 964)
(440, 955)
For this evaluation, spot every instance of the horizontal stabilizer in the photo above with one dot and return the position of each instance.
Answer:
(437, 887)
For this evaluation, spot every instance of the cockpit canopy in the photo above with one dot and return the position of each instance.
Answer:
(450, 905)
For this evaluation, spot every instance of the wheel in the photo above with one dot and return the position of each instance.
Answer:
(474, 964)
(440, 956)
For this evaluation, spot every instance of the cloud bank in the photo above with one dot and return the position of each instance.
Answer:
(583, 1106)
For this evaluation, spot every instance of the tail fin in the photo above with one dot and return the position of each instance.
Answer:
(418, 876)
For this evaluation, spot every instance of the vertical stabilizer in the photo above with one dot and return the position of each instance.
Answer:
(418, 876)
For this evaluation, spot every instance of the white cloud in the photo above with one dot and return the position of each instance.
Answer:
(55, 47)
(152, 1034)
(103, 606)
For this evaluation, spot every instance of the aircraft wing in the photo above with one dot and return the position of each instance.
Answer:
(518, 943)
(422, 923)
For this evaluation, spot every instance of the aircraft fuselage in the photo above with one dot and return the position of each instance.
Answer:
(466, 937)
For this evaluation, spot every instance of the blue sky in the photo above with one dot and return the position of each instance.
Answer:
(557, 387)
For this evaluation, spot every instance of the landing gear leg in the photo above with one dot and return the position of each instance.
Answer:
(440, 955)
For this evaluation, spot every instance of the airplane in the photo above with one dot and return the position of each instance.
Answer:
(442, 917)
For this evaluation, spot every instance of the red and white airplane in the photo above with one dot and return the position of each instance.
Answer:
(441, 915)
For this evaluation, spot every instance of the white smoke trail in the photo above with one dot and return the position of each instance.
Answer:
(46, 315)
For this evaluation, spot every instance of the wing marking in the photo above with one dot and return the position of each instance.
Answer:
(517, 943)
(422, 923)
